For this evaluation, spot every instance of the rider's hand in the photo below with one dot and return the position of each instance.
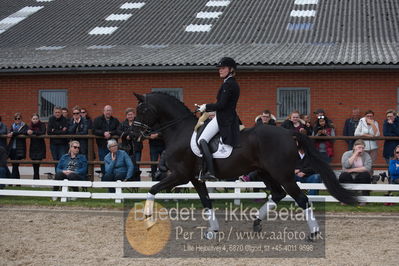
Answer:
(202, 108)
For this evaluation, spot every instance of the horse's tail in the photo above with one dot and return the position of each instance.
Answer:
(325, 171)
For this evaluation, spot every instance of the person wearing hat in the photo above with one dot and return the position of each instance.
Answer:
(226, 120)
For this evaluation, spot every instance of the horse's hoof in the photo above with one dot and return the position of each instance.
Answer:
(257, 227)
(209, 235)
(313, 236)
(149, 222)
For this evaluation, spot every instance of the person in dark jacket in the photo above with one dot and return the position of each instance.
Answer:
(77, 125)
(390, 129)
(37, 148)
(133, 148)
(85, 114)
(17, 146)
(304, 173)
(226, 121)
(4, 172)
(58, 125)
(105, 126)
(266, 118)
(350, 126)
(3, 131)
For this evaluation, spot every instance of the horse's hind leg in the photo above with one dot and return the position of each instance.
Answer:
(200, 187)
(277, 193)
(302, 200)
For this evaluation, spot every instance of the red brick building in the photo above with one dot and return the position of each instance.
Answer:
(100, 52)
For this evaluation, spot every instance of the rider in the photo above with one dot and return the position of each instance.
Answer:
(226, 120)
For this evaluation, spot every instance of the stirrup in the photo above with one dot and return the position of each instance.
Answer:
(207, 177)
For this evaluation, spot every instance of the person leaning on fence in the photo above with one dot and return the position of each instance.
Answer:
(294, 123)
(37, 148)
(72, 166)
(17, 146)
(105, 126)
(390, 128)
(77, 125)
(3, 131)
(118, 165)
(368, 127)
(57, 125)
(85, 114)
(325, 147)
(356, 166)
(129, 145)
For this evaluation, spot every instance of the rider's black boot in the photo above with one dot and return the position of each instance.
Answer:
(207, 157)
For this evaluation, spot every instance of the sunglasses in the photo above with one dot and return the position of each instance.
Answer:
(17, 118)
(83, 112)
(76, 147)
(320, 117)
(76, 113)
(397, 152)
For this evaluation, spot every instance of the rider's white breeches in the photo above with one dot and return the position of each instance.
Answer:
(211, 129)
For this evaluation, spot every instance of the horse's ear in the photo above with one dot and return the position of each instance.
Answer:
(139, 97)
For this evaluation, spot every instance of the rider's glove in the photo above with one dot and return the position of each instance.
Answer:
(202, 108)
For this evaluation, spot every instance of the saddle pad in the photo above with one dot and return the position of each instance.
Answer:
(223, 150)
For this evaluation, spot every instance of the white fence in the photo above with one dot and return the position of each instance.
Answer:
(241, 190)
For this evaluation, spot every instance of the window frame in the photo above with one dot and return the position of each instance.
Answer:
(279, 101)
(39, 105)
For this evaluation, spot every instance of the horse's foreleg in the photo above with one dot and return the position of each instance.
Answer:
(209, 213)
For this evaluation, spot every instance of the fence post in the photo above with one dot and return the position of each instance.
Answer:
(90, 157)
(64, 191)
(118, 192)
(238, 191)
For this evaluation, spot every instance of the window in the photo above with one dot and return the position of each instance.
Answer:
(177, 92)
(291, 99)
(48, 99)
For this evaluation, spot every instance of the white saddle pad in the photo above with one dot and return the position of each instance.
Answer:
(223, 151)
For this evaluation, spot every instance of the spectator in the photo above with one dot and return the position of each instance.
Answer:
(368, 127)
(304, 172)
(321, 112)
(157, 146)
(85, 114)
(391, 129)
(294, 123)
(129, 145)
(72, 166)
(77, 125)
(266, 118)
(105, 126)
(3, 131)
(350, 126)
(57, 125)
(4, 172)
(394, 167)
(17, 146)
(325, 147)
(65, 112)
(307, 124)
(118, 165)
(356, 166)
(37, 148)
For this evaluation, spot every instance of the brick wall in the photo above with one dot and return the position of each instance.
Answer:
(335, 91)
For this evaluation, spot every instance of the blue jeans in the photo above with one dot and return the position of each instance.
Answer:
(315, 178)
(113, 177)
(4, 173)
(155, 153)
(102, 152)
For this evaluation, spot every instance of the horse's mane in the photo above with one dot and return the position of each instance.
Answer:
(173, 99)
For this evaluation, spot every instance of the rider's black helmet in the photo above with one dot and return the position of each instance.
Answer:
(228, 62)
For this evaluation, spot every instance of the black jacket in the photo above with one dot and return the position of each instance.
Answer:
(129, 146)
(3, 131)
(80, 128)
(100, 126)
(226, 114)
(304, 166)
(37, 148)
(20, 146)
(55, 127)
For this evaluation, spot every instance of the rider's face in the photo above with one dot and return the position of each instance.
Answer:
(224, 71)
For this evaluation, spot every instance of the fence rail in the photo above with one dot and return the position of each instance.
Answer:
(239, 192)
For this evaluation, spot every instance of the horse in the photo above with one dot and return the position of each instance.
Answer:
(271, 150)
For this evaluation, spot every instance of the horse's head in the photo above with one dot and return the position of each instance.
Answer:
(146, 117)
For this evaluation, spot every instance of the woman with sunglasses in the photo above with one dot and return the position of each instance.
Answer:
(72, 166)
(325, 147)
(17, 146)
(394, 167)
(37, 148)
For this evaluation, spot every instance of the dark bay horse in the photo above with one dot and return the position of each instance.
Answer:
(273, 151)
